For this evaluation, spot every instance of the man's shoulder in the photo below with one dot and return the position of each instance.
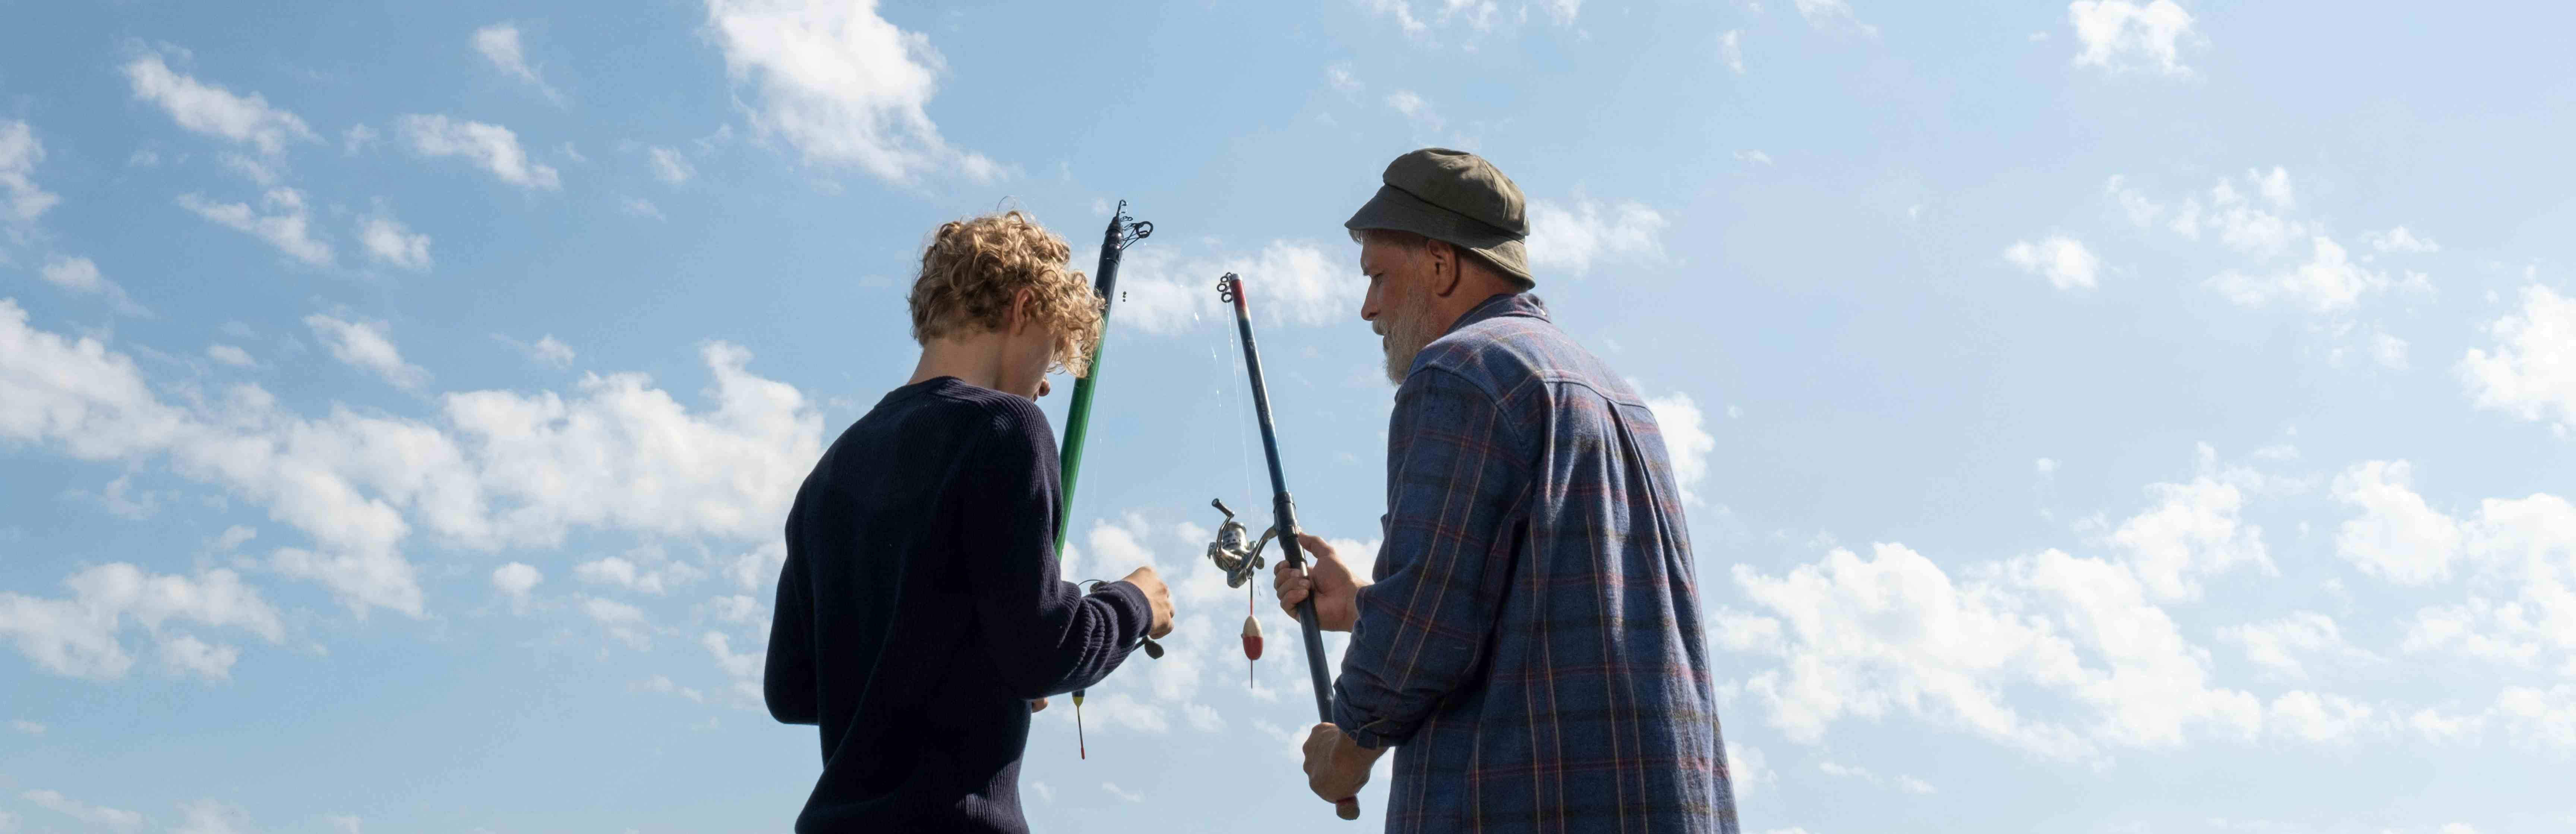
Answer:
(1504, 354)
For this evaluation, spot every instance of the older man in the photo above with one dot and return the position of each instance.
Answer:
(1530, 640)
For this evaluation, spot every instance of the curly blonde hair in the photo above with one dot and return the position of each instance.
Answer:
(973, 268)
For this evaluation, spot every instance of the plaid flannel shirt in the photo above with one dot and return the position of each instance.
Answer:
(1532, 641)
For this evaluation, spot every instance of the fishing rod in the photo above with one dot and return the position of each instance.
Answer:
(1123, 232)
(1238, 562)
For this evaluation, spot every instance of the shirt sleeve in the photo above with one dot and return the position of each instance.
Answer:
(787, 682)
(1044, 635)
(1455, 487)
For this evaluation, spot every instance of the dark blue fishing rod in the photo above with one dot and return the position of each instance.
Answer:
(1283, 516)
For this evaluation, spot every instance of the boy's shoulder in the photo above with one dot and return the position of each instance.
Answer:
(1004, 421)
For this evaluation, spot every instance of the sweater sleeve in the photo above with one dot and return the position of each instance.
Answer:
(1044, 635)
(788, 682)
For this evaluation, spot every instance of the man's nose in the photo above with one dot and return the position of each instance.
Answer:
(1043, 387)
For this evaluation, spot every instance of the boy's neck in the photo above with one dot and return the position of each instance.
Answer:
(974, 360)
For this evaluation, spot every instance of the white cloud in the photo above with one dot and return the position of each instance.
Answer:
(19, 153)
(1895, 632)
(841, 84)
(78, 636)
(1476, 15)
(1044, 793)
(1753, 156)
(1570, 239)
(81, 275)
(1833, 16)
(2310, 717)
(230, 355)
(289, 227)
(366, 347)
(356, 137)
(1686, 441)
(2541, 717)
(250, 169)
(184, 653)
(515, 580)
(745, 668)
(663, 684)
(2329, 282)
(618, 571)
(739, 609)
(2194, 529)
(26, 726)
(1746, 770)
(343, 823)
(2524, 546)
(552, 352)
(1730, 47)
(2277, 645)
(2400, 240)
(2045, 466)
(640, 207)
(215, 111)
(1416, 109)
(1341, 77)
(2141, 209)
(2531, 371)
(496, 468)
(624, 622)
(92, 814)
(670, 165)
(1165, 291)
(627, 455)
(390, 242)
(1114, 790)
(211, 817)
(2398, 537)
(1912, 785)
(2063, 260)
(1846, 771)
(2389, 350)
(499, 44)
(493, 147)
(234, 536)
(2120, 35)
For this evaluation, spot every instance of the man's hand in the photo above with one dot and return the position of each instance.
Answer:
(1336, 592)
(1038, 705)
(1155, 594)
(1336, 766)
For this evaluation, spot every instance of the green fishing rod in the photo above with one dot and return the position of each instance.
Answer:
(1123, 232)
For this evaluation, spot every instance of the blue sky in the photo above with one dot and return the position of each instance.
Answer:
(2097, 417)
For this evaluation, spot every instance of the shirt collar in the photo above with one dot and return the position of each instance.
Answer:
(1505, 304)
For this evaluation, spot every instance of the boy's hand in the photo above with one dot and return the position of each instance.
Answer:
(1160, 597)
(1336, 591)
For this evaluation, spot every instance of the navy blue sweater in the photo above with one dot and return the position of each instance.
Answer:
(920, 610)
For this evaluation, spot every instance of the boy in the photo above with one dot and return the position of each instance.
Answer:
(920, 618)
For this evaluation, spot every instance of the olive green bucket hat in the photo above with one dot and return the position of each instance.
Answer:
(1454, 197)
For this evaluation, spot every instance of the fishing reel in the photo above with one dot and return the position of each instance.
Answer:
(1229, 553)
(1239, 563)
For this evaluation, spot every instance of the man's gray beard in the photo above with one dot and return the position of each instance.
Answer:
(1404, 341)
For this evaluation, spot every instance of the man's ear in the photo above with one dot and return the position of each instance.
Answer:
(1445, 273)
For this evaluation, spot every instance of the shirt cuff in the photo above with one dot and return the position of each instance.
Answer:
(1368, 732)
